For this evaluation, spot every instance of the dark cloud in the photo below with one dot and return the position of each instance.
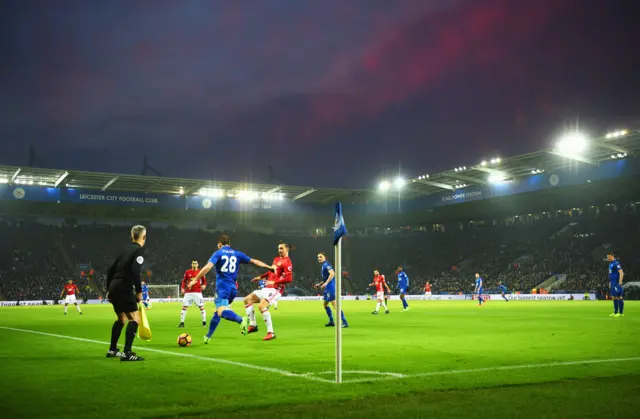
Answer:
(329, 93)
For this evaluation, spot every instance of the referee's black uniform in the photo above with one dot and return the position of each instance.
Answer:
(123, 279)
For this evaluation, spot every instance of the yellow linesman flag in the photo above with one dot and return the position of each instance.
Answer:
(144, 331)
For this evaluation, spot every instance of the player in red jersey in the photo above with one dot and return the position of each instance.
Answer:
(380, 284)
(272, 291)
(71, 290)
(427, 289)
(192, 291)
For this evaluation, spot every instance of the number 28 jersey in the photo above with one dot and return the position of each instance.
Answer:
(227, 261)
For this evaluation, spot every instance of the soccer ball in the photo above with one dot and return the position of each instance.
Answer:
(184, 340)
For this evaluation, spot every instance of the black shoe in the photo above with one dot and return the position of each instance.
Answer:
(345, 325)
(181, 325)
(330, 324)
(130, 356)
(204, 324)
(81, 313)
(386, 312)
(115, 354)
(374, 312)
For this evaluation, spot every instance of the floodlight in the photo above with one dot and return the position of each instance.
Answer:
(399, 182)
(384, 185)
(483, 163)
(181, 191)
(496, 178)
(572, 144)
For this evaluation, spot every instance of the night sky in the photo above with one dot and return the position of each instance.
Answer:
(329, 92)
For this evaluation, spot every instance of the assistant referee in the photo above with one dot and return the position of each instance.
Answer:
(123, 279)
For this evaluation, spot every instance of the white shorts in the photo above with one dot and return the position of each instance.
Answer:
(380, 295)
(71, 299)
(193, 298)
(269, 294)
(428, 293)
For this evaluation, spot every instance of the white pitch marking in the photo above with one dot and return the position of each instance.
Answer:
(502, 368)
(184, 355)
(361, 372)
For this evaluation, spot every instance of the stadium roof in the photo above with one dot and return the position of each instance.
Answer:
(597, 150)
(620, 145)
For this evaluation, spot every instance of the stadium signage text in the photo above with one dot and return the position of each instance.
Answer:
(119, 198)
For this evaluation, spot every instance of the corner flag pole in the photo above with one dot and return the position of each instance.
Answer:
(339, 230)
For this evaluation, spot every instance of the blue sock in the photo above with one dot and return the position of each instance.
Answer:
(481, 300)
(615, 306)
(505, 297)
(621, 306)
(213, 324)
(231, 316)
(404, 303)
(146, 305)
(344, 319)
(329, 313)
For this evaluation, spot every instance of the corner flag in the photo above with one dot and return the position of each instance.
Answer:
(339, 227)
(339, 230)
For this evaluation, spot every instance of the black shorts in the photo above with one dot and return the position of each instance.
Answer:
(123, 301)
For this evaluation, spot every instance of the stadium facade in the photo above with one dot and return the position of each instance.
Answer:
(543, 181)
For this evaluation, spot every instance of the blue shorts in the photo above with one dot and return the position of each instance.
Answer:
(145, 297)
(403, 290)
(225, 294)
(329, 296)
(479, 291)
(616, 290)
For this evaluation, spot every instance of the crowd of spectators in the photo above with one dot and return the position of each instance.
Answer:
(36, 259)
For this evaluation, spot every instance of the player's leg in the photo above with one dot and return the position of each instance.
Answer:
(66, 305)
(203, 311)
(344, 319)
(327, 309)
(480, 299)
(130, 335)
(116, 331)
(186, 302)
(78, 307)
(403, 297)
(223, 310)
(275, 304)
(249, 301)
(266, 314)
(614, 297)
(384, 304)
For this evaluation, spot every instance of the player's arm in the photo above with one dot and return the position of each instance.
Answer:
(332, 275)
(621, 274)
(62, 292)
(205, 269)
(261, 264)
(183, 284)
(386, 286)
(286, 278)
(263, 276)
(136, 269)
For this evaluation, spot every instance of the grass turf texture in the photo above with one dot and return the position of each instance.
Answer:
(448, 359)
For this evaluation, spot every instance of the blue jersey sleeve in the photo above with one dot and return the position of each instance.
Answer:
(215, 257)
(242, 258)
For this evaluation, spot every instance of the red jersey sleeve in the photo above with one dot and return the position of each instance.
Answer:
(265, 275)
(287, 273)
(183, 284)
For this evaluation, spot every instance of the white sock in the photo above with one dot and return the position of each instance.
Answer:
(267, 320)
(78, 308)
(203, 314)
(183, 314)
(378, 306)
(385, 306)
(275, 304)
(65, 309)
(251, 314)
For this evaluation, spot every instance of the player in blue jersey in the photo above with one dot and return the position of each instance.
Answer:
(145, 295)
(478, 289)
(403, 287)
(616, 275)
(328, 284)
(226, 261)
(502, 290)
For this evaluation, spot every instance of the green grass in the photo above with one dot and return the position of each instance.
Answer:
(449, 359)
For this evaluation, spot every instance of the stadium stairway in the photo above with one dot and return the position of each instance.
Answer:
(550, 281)
(561, 279)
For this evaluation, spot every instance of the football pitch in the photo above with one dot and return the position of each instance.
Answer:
(564, 359)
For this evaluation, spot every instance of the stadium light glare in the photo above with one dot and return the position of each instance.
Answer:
(181, 191)
(399, 182)
(574, 143)
(211, 192)
(272, 196)
(384, 185)
(496, 178)
(483, 163)
(3, 180)
(247, 195)
(616, 134)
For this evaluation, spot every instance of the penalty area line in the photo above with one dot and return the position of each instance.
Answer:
(498, 368)
(183, 355)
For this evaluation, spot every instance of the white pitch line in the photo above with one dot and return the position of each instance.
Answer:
(502, 368)
(361, 372)
(184, 355)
